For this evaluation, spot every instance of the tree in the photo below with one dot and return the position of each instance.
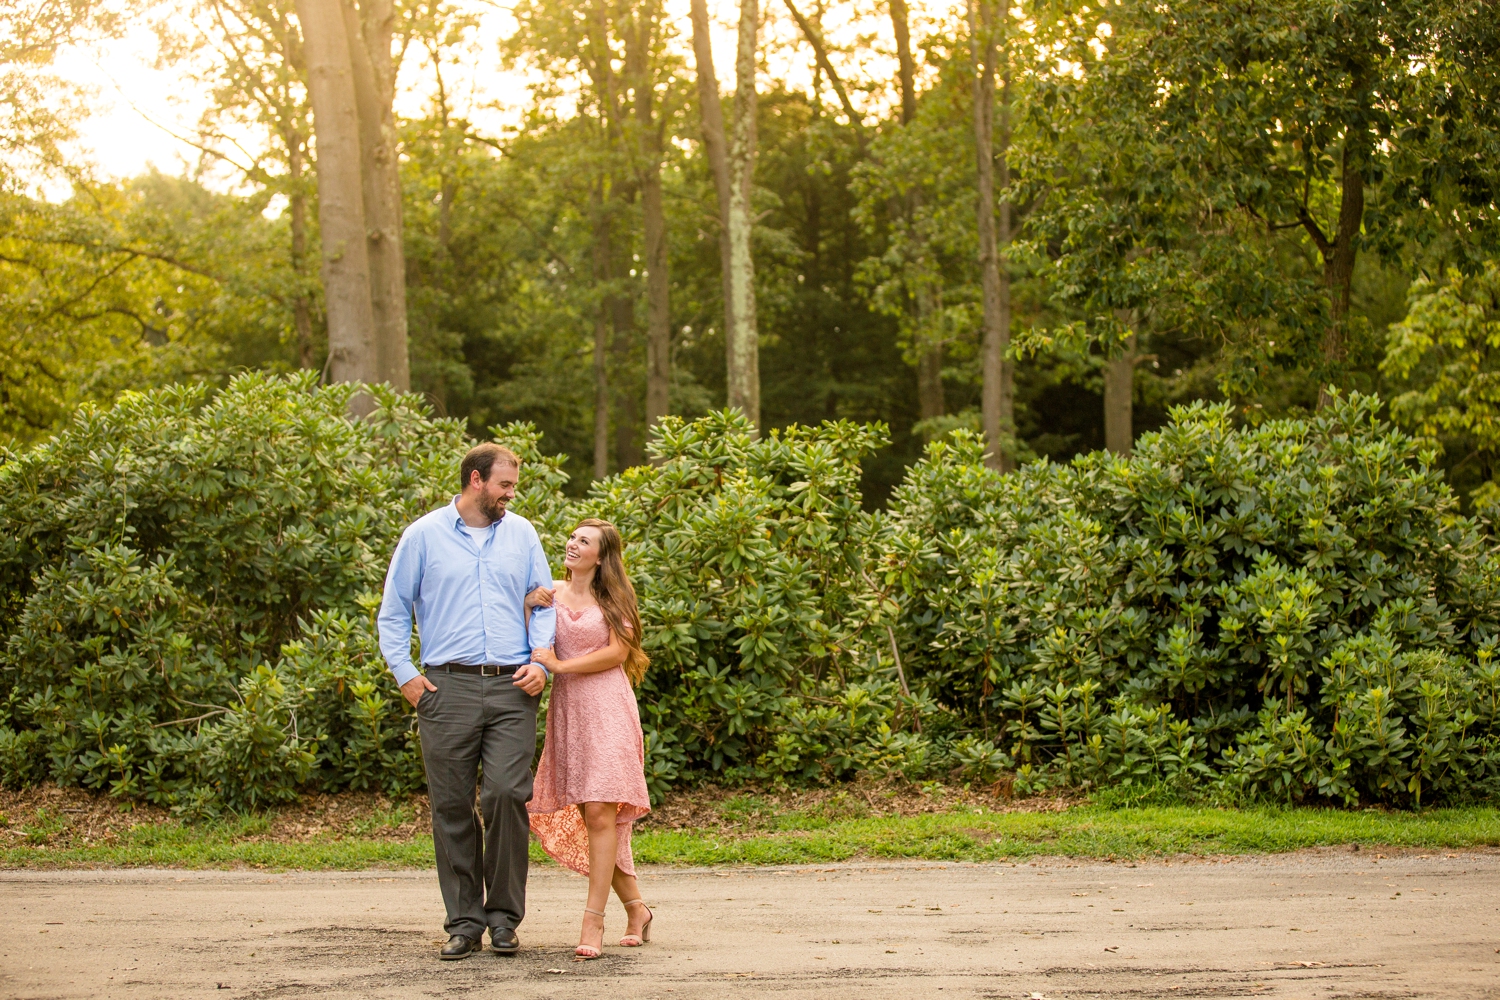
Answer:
(930, 397)
(128, 286)
(1309, 116)
(353, 55)
(643, 59)
(998, 399)
(732, 163)
(610, 60)
(353, 351)
(368, 31)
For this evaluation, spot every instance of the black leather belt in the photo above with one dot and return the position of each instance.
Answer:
(482, 669)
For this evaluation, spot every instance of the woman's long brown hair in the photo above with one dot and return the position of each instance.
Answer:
(616, 596)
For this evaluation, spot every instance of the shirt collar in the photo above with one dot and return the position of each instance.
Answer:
(458, 519)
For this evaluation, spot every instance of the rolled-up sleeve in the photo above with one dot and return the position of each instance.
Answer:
(543, 627)
(402, 582)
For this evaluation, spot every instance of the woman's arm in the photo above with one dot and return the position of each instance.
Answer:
(599, 660)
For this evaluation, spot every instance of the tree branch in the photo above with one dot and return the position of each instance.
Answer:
(821, 52)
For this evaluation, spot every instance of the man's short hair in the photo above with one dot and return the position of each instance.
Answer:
(481, 458)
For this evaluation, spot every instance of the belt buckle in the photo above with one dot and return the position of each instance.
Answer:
(489, 670)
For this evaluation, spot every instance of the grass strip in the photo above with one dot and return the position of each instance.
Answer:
(973, 835)
(1086, 832)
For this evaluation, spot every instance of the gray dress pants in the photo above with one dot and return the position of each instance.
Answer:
(481, 852)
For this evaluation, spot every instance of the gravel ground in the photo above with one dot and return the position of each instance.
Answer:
(1319, 924)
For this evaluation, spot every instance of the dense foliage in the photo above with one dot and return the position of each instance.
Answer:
(1234, 197)
(161, 561)
(1295, 610)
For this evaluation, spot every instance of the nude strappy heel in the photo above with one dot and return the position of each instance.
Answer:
(636, 940)
(588, 950)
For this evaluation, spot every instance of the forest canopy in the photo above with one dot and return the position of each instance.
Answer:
(1043, 222)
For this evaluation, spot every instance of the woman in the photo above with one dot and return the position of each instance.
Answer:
(591, 782)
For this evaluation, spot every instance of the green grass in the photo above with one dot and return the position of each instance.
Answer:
(802, 838)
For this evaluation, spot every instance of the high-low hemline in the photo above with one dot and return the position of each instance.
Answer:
(594, 750)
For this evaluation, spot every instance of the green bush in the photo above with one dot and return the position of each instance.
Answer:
(746, 555)
(159, 560)
(1295, 611)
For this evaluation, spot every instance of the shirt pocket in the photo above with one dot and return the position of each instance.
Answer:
(505, 571)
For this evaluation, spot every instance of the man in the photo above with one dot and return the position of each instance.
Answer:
(465, 569)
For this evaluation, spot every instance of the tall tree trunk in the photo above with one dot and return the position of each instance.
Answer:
(1119, 392)
(930, 380)
(743, 346)
(658, 300)
(930, 399)
(601, 395)
(368, 28)
(996, 394)
(627, 404)
(908, 68)
(297, 206)
(603, 254)
(341, 216)
(658, 280)
(715, 147)
(1339, 255)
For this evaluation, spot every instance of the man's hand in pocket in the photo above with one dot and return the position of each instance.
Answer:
(414, 688)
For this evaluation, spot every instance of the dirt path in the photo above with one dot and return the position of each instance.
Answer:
(1330, 924)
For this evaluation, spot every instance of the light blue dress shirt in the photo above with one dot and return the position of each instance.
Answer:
(468, 593)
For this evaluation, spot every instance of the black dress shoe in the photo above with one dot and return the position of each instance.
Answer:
(503, 941)
(459, 946)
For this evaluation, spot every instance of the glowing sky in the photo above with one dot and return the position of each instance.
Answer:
(137, 110)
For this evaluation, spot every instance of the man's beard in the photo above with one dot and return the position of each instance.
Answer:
(491, 508)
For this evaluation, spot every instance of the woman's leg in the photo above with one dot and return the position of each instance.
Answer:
(627, 888)
(599, 818)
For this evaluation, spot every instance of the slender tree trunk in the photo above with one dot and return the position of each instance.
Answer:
(1119, 392)
(341, 217)
(996, 398)
(297, 206)
(601, 395)
(368, 28)
(1005, 391)
(603, 253)
(930, 381)
(622, 320)
(908, 68)
(1339, 255)
(743, 345)
(658, 300)
(715, 147)
(654, 217)
(930, 399)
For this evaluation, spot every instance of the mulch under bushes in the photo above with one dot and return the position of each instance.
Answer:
(748, 809)
(71, 817)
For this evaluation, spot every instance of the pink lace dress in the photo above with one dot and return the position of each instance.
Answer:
(594, 751)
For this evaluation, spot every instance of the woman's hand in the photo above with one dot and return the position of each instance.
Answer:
(546, 658)
(541, 597)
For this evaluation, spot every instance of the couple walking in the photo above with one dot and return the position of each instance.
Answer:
(493, 631)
